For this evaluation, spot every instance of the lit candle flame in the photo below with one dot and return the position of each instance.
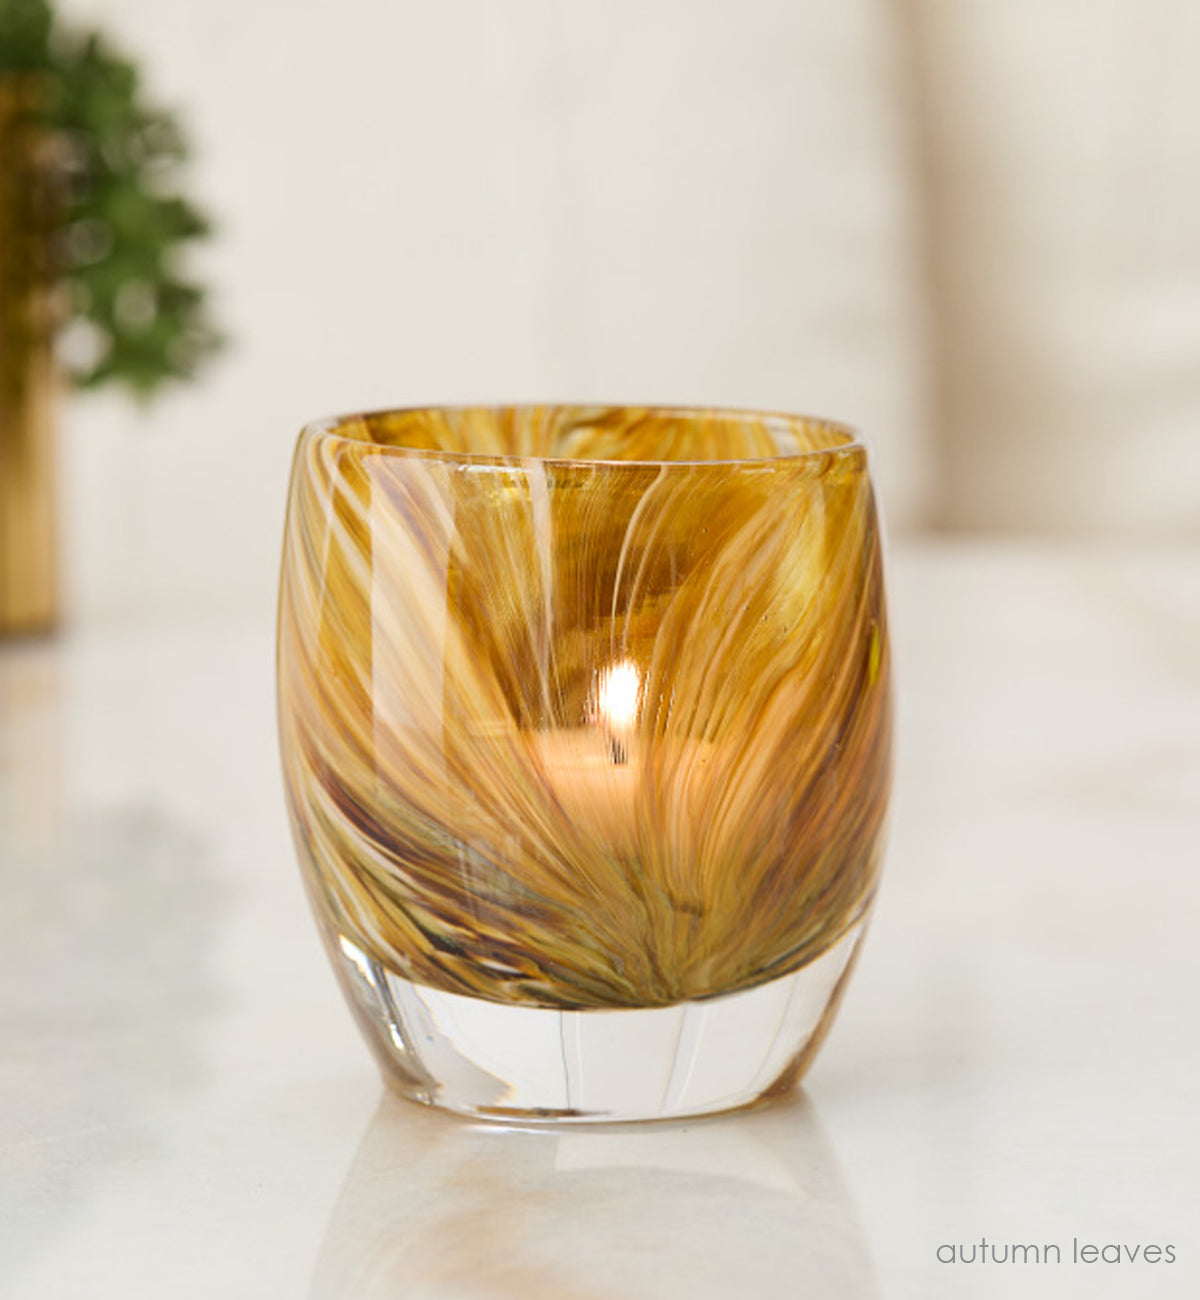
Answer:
(618, 691)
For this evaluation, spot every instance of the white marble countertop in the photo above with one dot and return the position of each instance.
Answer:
(187, 1109)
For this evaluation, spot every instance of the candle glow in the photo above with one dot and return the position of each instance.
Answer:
(618, 692)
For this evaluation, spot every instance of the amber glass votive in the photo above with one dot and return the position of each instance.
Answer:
(585, 721)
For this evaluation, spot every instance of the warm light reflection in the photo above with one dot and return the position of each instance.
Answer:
(617, 694)
(618, 688)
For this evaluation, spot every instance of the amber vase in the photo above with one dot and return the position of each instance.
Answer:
(585, 721)
(28, 501)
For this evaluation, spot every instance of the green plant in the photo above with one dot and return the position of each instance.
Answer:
(118, 226)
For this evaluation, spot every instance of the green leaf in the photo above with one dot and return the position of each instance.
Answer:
(123, 222)
(24, 35)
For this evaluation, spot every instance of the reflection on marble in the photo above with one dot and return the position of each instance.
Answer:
(182, 1093)
(749, 1204)
(31, 748)
(108, 916)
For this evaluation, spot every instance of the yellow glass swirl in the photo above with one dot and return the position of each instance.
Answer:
(584, 707)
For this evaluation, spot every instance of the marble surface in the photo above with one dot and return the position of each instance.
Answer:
(186, 1109)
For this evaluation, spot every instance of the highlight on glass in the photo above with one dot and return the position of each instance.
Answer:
(585, 721)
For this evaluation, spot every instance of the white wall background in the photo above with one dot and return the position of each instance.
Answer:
(1062, 201)
(684, 200)
(972, 229)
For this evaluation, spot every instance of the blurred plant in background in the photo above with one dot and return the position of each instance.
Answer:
(91, 231)
(115, 226)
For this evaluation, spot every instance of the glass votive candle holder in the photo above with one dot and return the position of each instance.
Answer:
(585, 721)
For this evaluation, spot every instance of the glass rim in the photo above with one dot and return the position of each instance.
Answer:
(849, 440)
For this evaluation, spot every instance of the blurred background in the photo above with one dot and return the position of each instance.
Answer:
(972, 230)
(970, 227)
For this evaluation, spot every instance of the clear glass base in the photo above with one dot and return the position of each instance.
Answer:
(517, 1063)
